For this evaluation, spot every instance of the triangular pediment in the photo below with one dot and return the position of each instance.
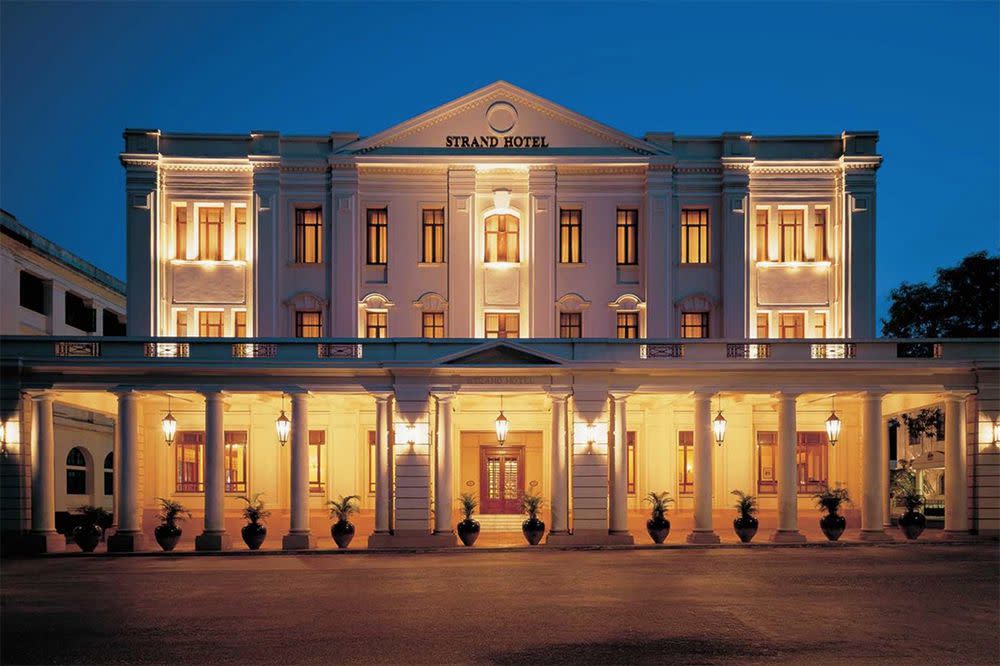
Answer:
(502, 119)
(500, 353)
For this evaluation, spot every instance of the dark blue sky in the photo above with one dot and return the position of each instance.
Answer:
(925, 75)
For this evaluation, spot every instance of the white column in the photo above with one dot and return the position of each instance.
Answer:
(559, 490)
(299, 536)
(872, 473)
(618, 519)
(214, 537)
(787, 473)
(44, 537)
(704, 449)
(884, 464)
(956, 514)
(128, 515)
(444, 500)
(382, 464)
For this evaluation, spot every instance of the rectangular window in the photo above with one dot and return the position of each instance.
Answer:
(502, 325)
(240, 323)
(372, 469)
(570, 325)
(628, 237)
(210, 234)
(569, 236)
(630, 461)
(685, 462)
(308, 324)
(819, 236)
(819, 325)
(190, 449)
(76, 481)
(761, 236)
(376, 324)
(628, 325)
(308, 235)
(210, 324)
(503, 239)
(181, 232)
(432, 324)
(113, 324)
(182, 323)
(433, 236)
(33, 293)
(790, 231)
(109, 482)
(378, 236)
(240, 224)
(79, 314)
(236, 461)
(694, 324)
(791, 325)
(763, 326)
(317, 473)
(811, 462)
(694, 236)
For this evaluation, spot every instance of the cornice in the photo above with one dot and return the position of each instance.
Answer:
(402, 171)
(570, 170)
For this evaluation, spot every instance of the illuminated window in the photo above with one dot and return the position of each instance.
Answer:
(308, 235)
(432, 324)
(317, 475)
(240, 323)
(570, 325)
(240, 222)
(791, 325)
(685, 462)
(811, 463)
(694, 324)
(761, 237)
(628, 237)
(694, 236)
(372, 457)
(182, 323)
(377, 324)
(308, 324)
(433, 236)
(181, 232)
(502, 325)
(76, 472)
(790, 231)
(819, 236)
(630, 460)
(210, 324)
(503, 238)
(763, 326)
(236, 461)
(569, 236)
(819, 325)
(210, 234)
(628, 325)
(378, 236)
(189, 449)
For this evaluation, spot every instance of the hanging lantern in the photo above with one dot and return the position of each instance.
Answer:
(169, 425)
(719, 425)
(501, 425)
(833, 425)
(283, 425)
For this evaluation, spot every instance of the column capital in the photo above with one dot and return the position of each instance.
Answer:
(786, 395)
(443, 396)
(619, 395)
(560, 393)
(872, 395)
(41, 396)
(126, 392)
(212, 394)
(381, 396)
(957, 394)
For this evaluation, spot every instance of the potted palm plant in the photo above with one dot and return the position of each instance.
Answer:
(167, 533)
(658, 526)
(828, 500)
(468, 529)
(912, 522)
(87, 534)
(254, 532)
(342, 531)
(745, 523)
(533, 528)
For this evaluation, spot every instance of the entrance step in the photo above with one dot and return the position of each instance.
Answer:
(492, 522)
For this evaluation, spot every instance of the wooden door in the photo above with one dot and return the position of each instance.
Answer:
(501, 479)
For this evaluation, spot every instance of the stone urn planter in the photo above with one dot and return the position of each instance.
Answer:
(254, 532)
(88, 533)
(167, 533)
(468, 529)
(832, 524)
(658, 526)
(912, 523)
(745, 524)
(342, 531)
(532, 528)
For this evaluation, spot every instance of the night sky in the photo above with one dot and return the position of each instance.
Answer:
(925, 75)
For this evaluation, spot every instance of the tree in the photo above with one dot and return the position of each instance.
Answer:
(964, 302)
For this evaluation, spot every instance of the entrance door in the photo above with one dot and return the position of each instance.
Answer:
(502, 479)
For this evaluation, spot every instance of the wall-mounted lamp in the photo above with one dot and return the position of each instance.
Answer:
(833, 423)
(169, 424)
(719, 425)
(501, 425)
(996, 431)
(10, 437)
(283, 425)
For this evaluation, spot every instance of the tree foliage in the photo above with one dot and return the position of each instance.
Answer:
(963, 302)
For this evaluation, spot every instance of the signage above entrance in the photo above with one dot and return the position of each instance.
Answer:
(459, 141)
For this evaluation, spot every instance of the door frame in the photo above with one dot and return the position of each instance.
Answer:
(484, 452)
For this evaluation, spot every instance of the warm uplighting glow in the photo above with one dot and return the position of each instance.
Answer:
(833, 425)
(501, 425)
(10, 437)
(996, 431)
(283, 424)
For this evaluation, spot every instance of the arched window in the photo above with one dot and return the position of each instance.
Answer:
(109, 474)
(76, 472)
(503, 238)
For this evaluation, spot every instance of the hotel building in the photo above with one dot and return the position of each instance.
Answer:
(609, 295)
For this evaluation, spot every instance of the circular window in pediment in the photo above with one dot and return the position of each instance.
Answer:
(501, 117)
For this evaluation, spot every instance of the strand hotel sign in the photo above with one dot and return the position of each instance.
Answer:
(501, 118)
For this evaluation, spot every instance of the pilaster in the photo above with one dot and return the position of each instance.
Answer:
(659, 306)
(461, 262)
(735, 227)
(542, 271)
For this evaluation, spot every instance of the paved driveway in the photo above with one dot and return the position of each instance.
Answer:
(904, 603)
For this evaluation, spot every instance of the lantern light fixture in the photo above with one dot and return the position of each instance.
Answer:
(996, 431)
(833, 423)
(169, 425)
(283, 425)
(10, 437)
(501, 425)
(719, 425)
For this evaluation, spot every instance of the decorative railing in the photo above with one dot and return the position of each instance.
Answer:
(255, 350)
(834, 350)
(334, 350)
(748, 350)
(661, 351)
(80, 349)
(168, 350)
(919, 350)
